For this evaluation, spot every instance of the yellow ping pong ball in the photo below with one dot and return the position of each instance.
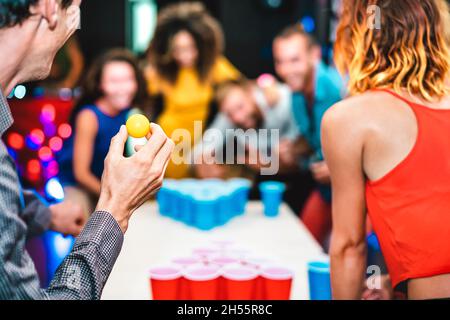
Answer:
(138, 126)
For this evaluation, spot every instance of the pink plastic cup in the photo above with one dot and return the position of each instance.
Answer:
(165, 282)
(240, 282)
(186, 262)
(205, 253)
(277, 282)
(223, 244)
(223, 260)
(257, 262)
(202, 282)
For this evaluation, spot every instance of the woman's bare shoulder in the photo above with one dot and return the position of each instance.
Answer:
(359, 111)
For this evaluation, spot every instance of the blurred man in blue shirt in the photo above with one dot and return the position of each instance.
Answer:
(316, 87)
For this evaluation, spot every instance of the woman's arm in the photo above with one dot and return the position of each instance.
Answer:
(85, 133)
(343, 147)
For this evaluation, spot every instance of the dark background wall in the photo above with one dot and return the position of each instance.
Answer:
(102, 26)
(249, 26)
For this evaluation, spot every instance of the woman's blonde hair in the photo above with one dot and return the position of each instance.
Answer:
(396, 44)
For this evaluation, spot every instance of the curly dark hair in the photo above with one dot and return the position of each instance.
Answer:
(13, 12)
(195, 19)
(90, 86)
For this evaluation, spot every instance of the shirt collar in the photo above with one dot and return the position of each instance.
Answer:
(6, 119)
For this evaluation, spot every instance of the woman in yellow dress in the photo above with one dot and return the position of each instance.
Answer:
(185, 64)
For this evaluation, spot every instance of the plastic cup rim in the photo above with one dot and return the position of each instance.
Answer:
(287, 275)
(213, 275)
(323, 268)
(252, 273)
(172, 276)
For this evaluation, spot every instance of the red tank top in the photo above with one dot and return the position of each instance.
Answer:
(410, 206)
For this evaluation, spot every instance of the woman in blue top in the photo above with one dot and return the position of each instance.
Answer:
(113, 85)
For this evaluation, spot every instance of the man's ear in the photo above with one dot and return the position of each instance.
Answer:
(49, 10)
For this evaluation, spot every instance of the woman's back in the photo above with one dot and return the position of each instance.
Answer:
(407, 160)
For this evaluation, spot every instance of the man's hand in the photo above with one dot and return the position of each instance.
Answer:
(67, 218)
(127, 183)
(321, 172)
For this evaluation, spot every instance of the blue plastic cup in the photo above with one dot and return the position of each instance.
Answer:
(206, 209)
(224, 203)
(186, 208)
(241, 192)
(165, 198)
(272, 197)
(319, 280)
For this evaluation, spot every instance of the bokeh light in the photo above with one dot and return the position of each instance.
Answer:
(65, 130)
(52, 169)
(308, 24)
(54, 189)
(16, 141)
(45, 154)
(49, 129)
(20, 92)
(34, 167)
(37, 136)
(48, 113)
(56, 144)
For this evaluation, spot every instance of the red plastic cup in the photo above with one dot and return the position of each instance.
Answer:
(202, 282)
(240, 282)
(165, 282)
(184, 263)
(277, 282)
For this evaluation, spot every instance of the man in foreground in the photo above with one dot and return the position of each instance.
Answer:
(31, 32)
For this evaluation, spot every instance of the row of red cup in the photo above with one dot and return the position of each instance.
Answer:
(212, 282)
(221, 273)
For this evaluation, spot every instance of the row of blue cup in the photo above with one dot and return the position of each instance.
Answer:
(204, 204)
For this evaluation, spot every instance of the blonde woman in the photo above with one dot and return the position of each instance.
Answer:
(388, 147)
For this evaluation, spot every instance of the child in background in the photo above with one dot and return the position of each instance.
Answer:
(113, 86)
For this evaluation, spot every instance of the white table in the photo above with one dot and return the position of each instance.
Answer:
(154, 240)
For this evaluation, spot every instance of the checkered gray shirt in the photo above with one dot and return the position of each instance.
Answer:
(82, 275)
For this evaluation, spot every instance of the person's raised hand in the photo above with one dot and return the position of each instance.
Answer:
(127, 183)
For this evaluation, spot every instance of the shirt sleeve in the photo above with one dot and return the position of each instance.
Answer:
(224, 71)
(81, 276)
(281, 115)
(36, 214)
